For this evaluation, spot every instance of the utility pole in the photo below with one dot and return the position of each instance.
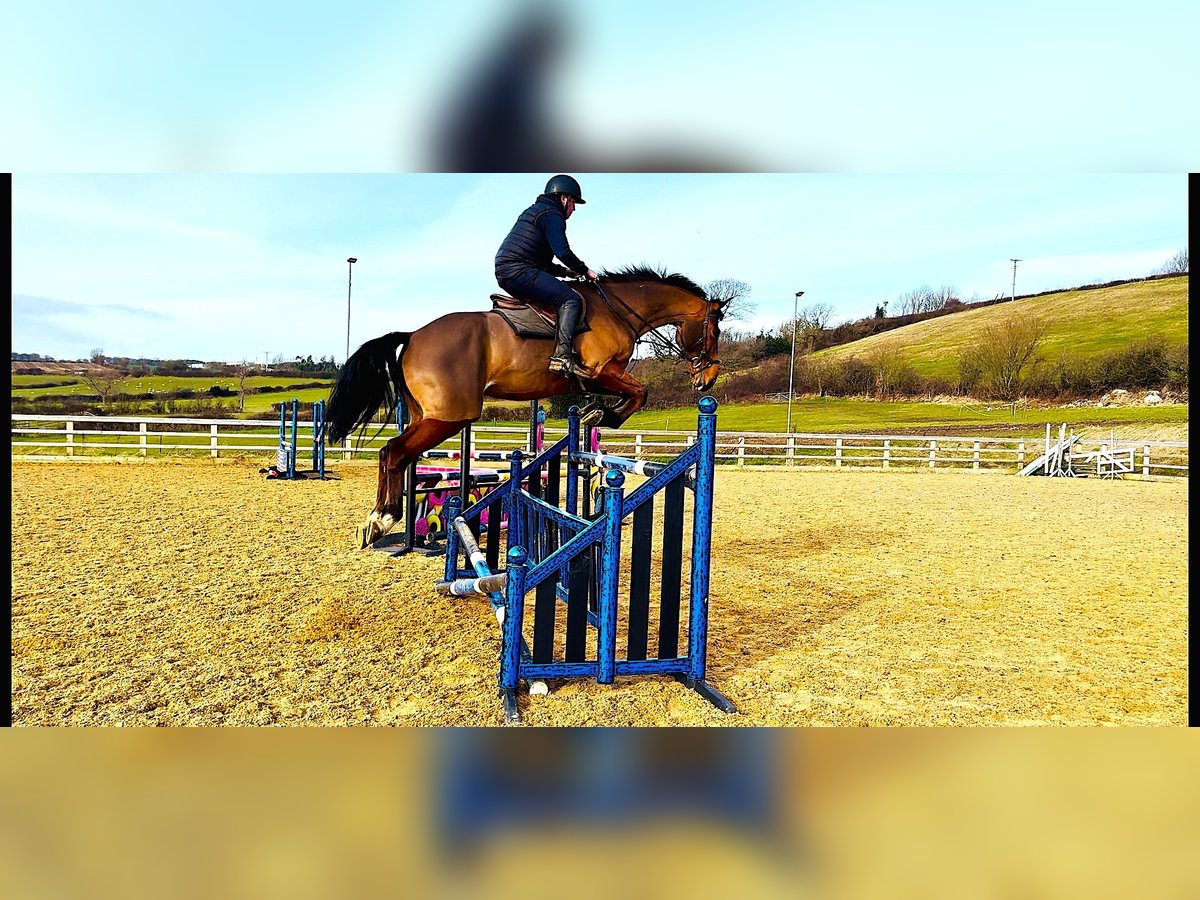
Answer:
(349, 277)
(1014, 287)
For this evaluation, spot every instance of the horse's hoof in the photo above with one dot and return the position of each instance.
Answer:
(366, 535)
(588, 419)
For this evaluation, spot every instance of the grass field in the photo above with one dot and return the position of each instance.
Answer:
(22, 384)
(846, 416)
(1080, 322)
(259, 405)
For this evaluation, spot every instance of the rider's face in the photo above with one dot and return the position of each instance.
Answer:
(568, 207)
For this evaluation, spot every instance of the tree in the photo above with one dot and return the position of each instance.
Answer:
(97, 356)
(242, 375)
(926, 299)
(1176, 265)
(1001, 354)
(734, 293)
(889, 368)
(102, 381)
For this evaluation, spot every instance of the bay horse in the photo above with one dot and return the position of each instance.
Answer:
(442, 372)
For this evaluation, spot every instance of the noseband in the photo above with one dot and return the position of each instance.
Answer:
(701, 361)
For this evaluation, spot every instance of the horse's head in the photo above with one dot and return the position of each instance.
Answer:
(697, 339)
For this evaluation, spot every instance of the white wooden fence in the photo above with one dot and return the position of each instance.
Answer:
(96, 438)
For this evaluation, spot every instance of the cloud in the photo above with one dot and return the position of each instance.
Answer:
(28, 307)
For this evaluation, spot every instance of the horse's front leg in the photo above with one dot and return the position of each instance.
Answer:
(614, 379)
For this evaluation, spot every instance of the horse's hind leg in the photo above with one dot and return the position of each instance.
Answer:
(393, 463)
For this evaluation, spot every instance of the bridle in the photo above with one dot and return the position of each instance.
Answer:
(697, 362)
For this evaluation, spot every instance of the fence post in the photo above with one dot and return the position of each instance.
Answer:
(932, 453)
(975, 457)
(1145, 459)
(887, 452)
(70, 438)
(141, 439)
(212, 439)
(741, 450)
(346, 452)
(791, 450)
(1020, 455)
(837, 454)
(637, 446)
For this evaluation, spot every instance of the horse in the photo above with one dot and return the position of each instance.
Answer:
(442, 372)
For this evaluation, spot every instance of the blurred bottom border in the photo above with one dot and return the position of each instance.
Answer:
(823, 812)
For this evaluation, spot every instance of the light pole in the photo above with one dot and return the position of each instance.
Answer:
(349, 278)
(792, 370)
(1014, 288)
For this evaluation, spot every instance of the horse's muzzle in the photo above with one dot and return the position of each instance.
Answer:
(705, 378)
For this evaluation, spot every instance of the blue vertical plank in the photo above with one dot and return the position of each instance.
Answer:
(706, 435)
(292, 455)
(510, 648)
(610, 572)
(450, 512)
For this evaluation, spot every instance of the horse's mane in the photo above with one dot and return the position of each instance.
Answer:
(648, 273)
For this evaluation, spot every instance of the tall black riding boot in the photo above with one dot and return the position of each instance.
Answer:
(563, 359)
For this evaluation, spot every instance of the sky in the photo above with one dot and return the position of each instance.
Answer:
(248, 267)
(932, 86)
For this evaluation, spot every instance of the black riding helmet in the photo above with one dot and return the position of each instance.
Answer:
(565, 184)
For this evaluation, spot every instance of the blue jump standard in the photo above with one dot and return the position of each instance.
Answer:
(560, 556)
(287, 450)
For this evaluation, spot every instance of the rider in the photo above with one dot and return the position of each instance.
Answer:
(525, 264)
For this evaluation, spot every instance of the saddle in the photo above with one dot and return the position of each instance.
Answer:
(528, 318)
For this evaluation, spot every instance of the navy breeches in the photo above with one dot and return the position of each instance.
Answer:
(534, 284)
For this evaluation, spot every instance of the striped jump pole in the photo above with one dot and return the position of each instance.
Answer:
(486, 584)
(611, 461)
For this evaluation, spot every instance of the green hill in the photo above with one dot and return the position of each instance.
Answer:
(1085, 322)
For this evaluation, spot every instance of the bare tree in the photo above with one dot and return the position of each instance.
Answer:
(917, 300)
(1176, 265)
(103, 381)
(926, 299)
(736, 293)
(945, 296)
(1002, 353)
(809, 323)
(97, 356)
(243, 373)
(816, 317)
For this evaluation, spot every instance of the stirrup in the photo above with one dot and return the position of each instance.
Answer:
(567, 365)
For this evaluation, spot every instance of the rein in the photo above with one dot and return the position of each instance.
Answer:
(650, 336)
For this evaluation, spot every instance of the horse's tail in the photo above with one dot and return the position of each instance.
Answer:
(371, 378)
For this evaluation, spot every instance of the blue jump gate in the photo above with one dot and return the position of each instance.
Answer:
(561, 553)
(285, 457)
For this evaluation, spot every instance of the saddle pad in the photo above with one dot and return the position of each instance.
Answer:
(530, 321)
